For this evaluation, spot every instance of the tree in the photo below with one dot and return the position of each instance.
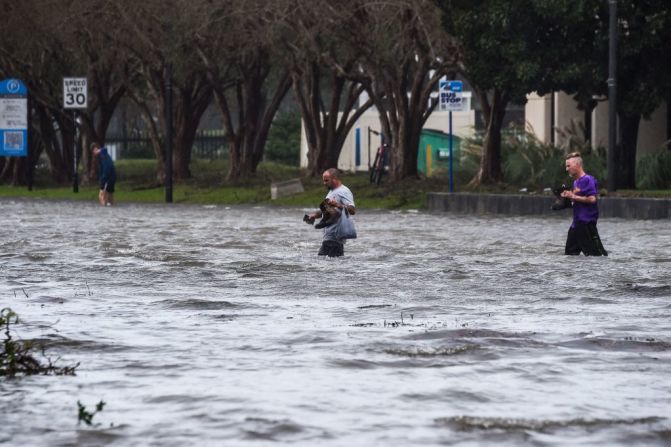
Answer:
(42, 48)
(107, 68)
(327, 99)
(513, 48)
(33, 51)
(155, 36)
(237, 44)
(403, 52)
(643, 83)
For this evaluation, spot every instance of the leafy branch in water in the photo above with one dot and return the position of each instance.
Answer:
(85, 415)
(16, 357)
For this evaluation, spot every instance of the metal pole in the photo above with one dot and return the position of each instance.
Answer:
(75, 179)
(29, 172)
(552, 118)
(369, 148)
(612, 94)
(450, 146)
(168, 133)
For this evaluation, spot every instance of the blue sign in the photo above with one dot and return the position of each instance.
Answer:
(13, 118)
(451, 95)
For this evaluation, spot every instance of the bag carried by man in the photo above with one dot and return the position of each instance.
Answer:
(346, 228)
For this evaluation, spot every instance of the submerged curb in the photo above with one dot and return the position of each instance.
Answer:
(517, 204)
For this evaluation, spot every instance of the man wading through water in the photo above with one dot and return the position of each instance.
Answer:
(583, 235)
(106, 174)
(340, 197)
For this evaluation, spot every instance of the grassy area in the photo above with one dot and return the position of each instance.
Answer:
(137, 183)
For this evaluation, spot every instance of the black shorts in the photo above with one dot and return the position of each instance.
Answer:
(584, 238)
(332, 249)
(109, 189)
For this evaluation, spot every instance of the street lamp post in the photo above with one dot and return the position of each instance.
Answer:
(168, 133)
(612, 93)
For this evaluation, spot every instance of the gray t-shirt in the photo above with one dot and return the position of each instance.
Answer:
(343, 196)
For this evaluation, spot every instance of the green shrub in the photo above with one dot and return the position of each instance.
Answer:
(16, 356)
(284, 139)
(653, 171)
(528, 162)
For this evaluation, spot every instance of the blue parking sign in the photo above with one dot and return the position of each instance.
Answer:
(13, 118)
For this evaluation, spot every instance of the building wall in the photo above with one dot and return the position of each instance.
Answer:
(567, 116)
(652, 132)
(651, 136)
(600, 125)
(537, 116)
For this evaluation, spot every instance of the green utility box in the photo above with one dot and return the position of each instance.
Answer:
(433, 157)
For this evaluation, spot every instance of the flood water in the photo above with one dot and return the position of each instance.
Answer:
(204, 325)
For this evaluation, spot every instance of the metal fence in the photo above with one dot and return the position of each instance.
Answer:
(206, 145)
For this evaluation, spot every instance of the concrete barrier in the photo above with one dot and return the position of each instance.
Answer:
(517, 204)
(285, 188)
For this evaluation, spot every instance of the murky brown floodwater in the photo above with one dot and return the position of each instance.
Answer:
(220, 326)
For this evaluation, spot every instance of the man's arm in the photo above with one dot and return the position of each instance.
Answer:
(350, 208)
(576, 198)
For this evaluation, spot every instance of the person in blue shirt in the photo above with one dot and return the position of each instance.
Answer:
(106, 175)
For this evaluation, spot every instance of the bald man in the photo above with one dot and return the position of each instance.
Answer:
(583, 235)
(340, 197)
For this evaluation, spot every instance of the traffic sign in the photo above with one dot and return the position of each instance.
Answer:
(13, 118)
(451, 95)
(75, 93)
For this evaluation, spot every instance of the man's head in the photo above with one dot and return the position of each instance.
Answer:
(95, 148)
(331, 178)
(574, 165)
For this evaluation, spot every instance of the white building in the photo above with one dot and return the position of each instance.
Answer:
(540, 111)
(360, 145)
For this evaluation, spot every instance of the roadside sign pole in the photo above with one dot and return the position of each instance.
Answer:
(450, 146)
(450, 95)
(30, 168)
(75, 176)
(75, 96)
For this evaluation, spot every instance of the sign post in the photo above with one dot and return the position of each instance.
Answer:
(451, 99)
(13, 118)
(75, 96)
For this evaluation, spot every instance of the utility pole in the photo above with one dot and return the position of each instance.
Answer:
(168, 133)
(612, 94)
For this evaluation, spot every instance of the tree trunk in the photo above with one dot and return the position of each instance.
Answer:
(255, 116)
(6, 171)
(154, 134)
(59, 146)
(405, 137)
(185, 135)
(494, 111)
(626, 151)
(402, 99)
(326, 131)
(193, 98)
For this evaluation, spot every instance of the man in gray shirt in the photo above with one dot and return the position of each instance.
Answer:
(340, 197)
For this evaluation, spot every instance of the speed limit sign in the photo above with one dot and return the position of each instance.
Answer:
(74, 93)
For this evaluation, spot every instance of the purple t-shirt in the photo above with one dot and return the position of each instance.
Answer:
(585, 212)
